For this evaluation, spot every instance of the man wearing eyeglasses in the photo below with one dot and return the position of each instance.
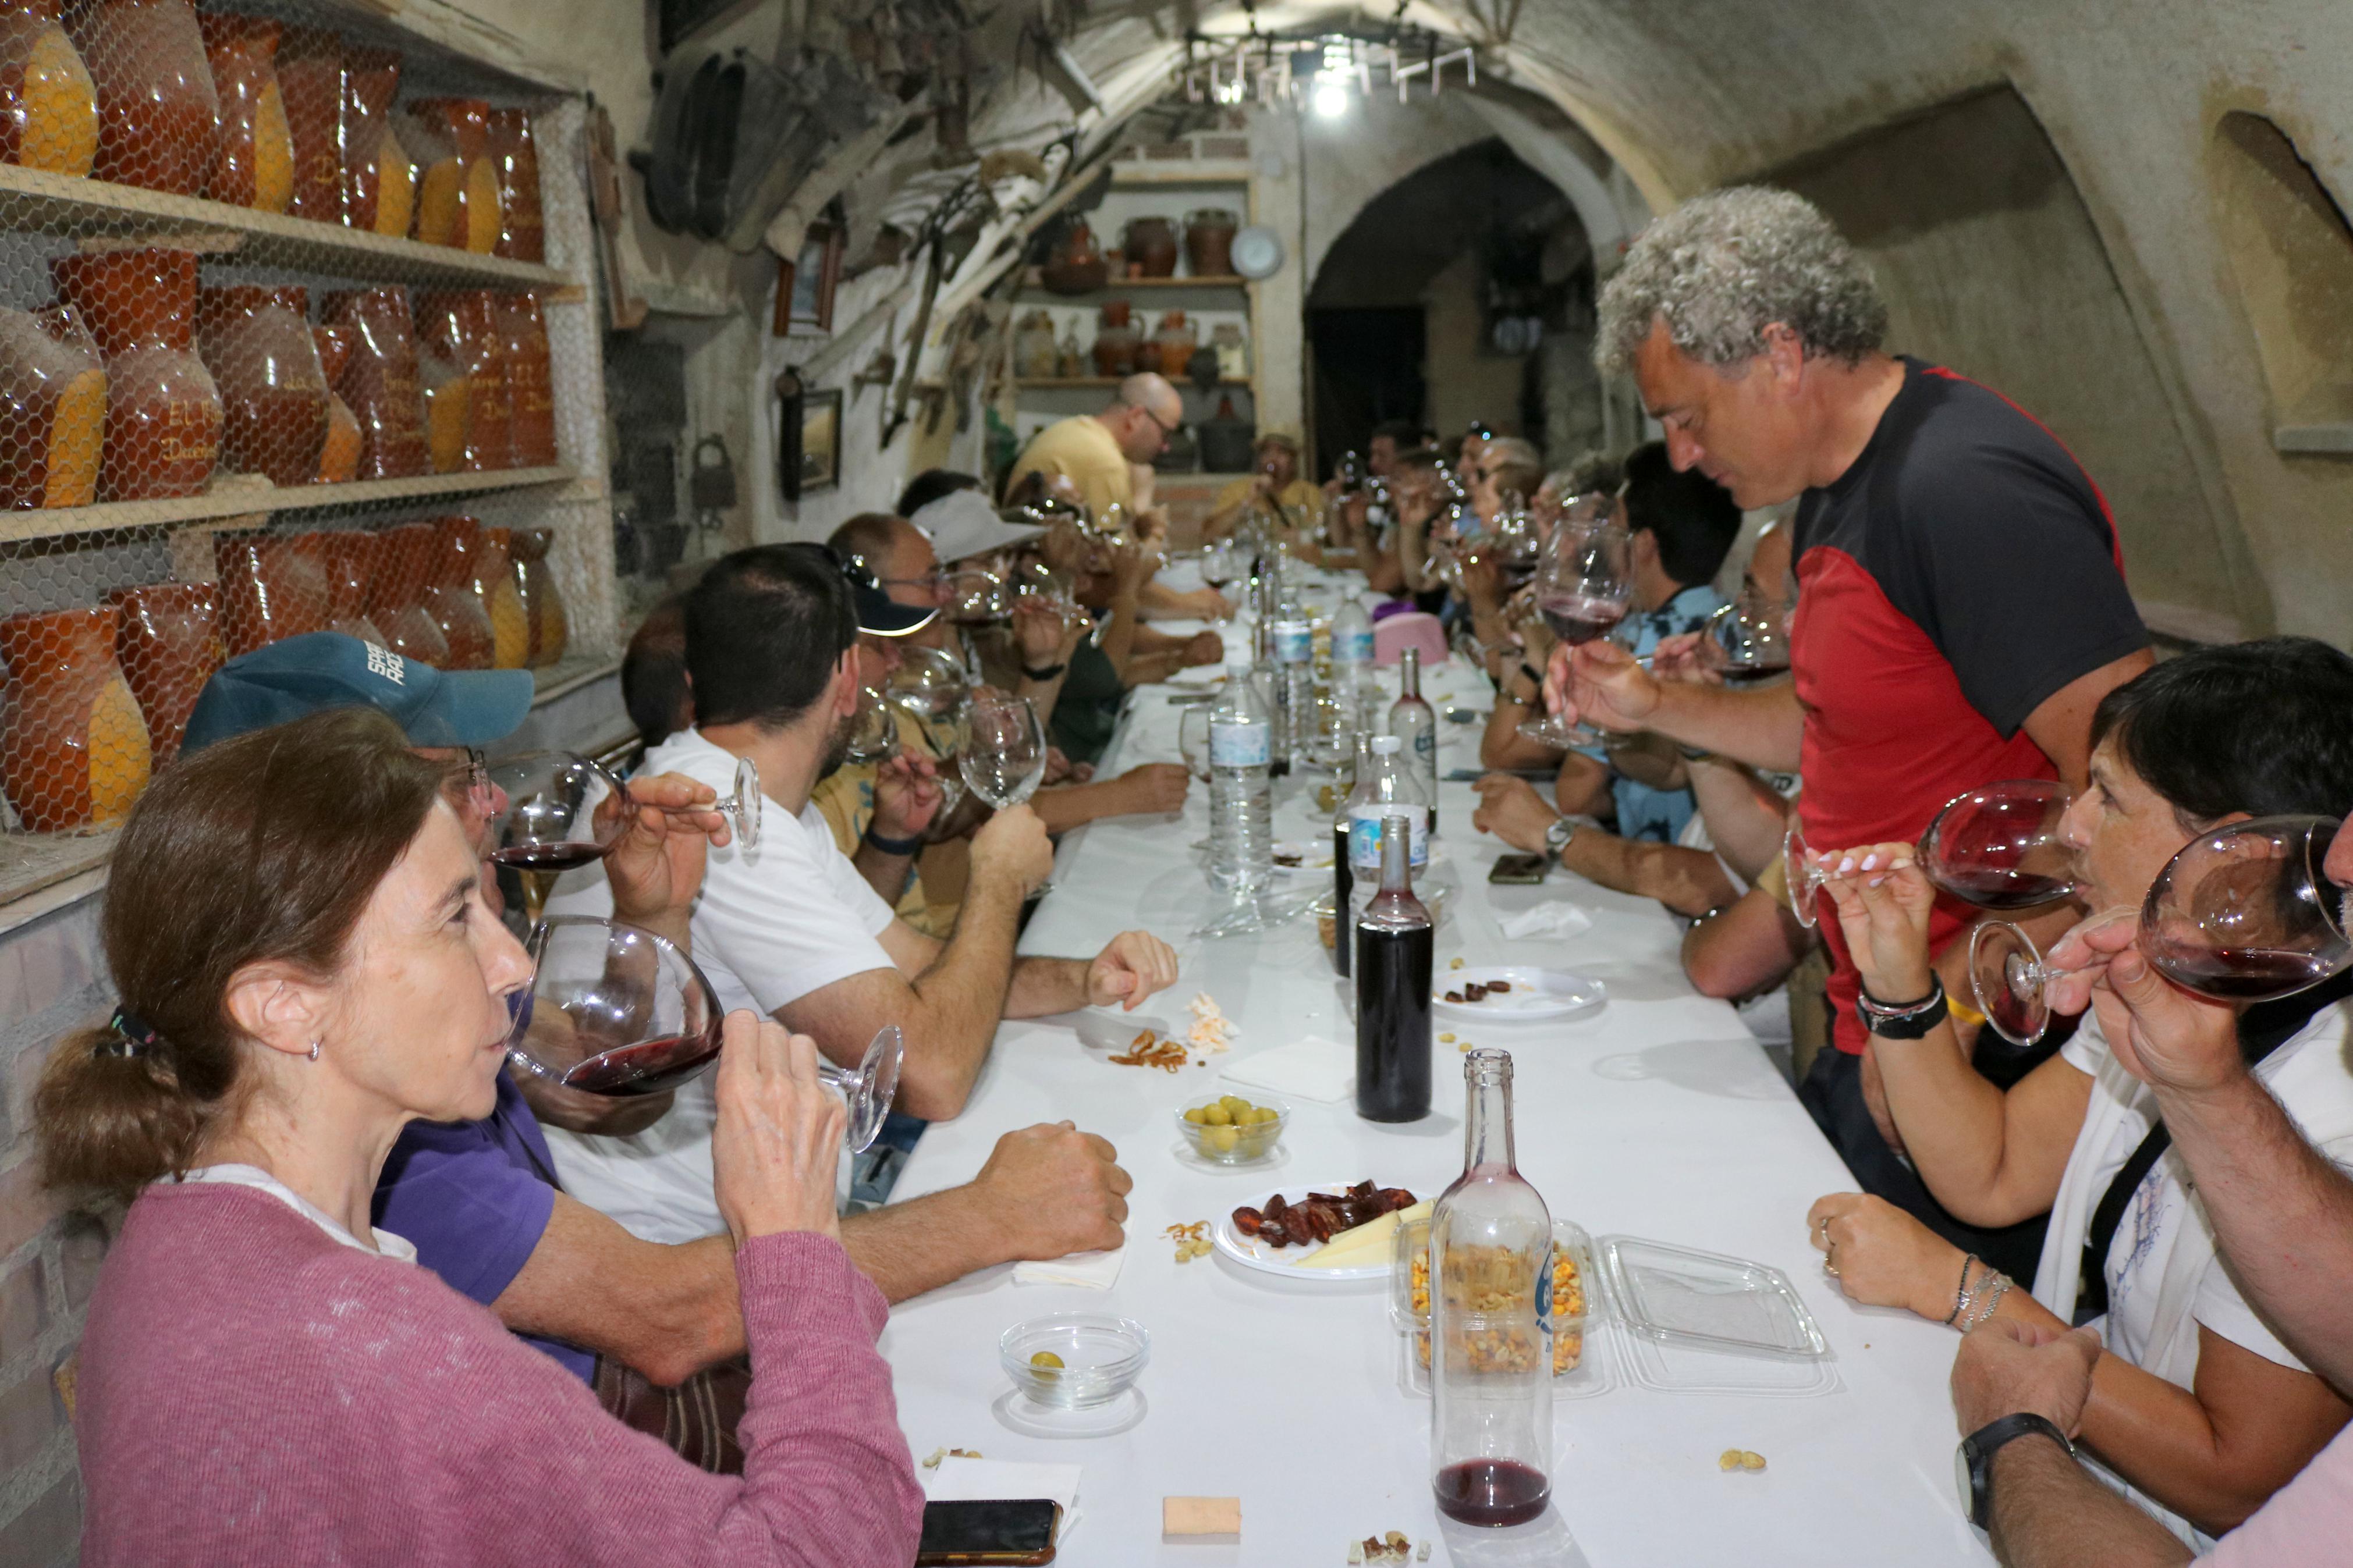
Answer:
(1093, 450)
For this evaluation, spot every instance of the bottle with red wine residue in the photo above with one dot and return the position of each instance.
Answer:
(1395, 947)
(1491, 1320)
(1344, 880)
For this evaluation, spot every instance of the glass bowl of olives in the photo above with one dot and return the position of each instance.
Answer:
(1228, 1130)
(1073, 1361)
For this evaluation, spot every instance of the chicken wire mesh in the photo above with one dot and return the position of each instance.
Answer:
(282, 312)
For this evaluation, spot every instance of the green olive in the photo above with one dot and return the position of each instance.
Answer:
(1221, 1140)
(1046, 1366)
(1198, 1116)
(1260, 1115)
(1216, 1116)
(1234, 1102)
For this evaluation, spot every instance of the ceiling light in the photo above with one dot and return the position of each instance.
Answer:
(1331, 99)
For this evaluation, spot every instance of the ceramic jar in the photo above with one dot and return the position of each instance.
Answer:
(339, 453)
(514, 159)
(1034, 353)
(52, 409)
(1117, 343)
(1071, 360)
(551, 626)
(346, 561)
(1173, 345)
(253, 157)
(48, 105)
(530, 377)
(257, 341)
(450, 598)
(458, 189)
(74, 751)
(163, 410)
(1209, 242)
(310, 78)
(380, 382)
(462, 330)
(379, 176)
(406, 558)
(167, 642)
(1233, 350)
(270, 589)
(157, 125)
(502, 601)
(1075, 265)
(1151, 245)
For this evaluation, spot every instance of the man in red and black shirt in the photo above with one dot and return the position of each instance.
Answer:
(1961, 607)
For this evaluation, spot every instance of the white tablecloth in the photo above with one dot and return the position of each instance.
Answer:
(1660, 1117)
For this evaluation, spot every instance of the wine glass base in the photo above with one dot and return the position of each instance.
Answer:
(1567, 737)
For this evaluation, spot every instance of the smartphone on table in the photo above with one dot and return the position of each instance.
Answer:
(1015, 1533)
(1519, 870)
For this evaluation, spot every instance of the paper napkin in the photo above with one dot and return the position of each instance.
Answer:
(1094, 1271)
(1553, 918)
(1312, 1068)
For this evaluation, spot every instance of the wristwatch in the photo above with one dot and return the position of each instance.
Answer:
(1973, 1460)
(1563, 830)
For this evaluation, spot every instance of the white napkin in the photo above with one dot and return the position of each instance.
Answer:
(1312, 1068)
(1095, 1270)
(1558, 918)
(996, 1480)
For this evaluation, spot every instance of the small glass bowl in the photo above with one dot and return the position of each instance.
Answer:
(1233, 1145)
(1100, 1356)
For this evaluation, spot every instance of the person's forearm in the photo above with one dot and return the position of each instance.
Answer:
(963, 995)
(1413, 555)
(1687, 881)
(1763, 728)
(1744, 949)
(1745, 820)
(1581, 788)
(922, 1244)
(1066, 807)
(1043, 694)
(1954, 1123)
(2048, 1512)
(1045, 985)
(1123, 619)
(2283, 1215)
(885, 872)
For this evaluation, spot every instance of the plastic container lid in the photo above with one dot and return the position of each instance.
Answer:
(1677, 1296)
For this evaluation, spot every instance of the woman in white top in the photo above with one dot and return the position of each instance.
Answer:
(2196, 1405)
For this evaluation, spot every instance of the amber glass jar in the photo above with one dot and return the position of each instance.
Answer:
(494, 585)
(345, 561)
(379, 178)
(162, 411)
(157, 125)
(451, 597)
(48, 105)
(514, 156)
(530, 378)
(458, 188)
(310, 78)
(407, 557)
(551, 626)
(74, 751)
(462, 328)
(339, 454)
(271, 589)
(256, 342)
(52, 409)
(253, 158)
(167, 640)
(380, 381)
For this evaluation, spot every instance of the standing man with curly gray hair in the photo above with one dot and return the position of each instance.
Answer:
(1961, 598)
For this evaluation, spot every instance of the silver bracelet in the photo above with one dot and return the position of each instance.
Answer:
(1992, 1300)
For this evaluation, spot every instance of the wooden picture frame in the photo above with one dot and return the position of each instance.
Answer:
(820, 439)
(804, 286)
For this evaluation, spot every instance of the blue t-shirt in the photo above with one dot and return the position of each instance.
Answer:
(1644, 812)
(474, 1197)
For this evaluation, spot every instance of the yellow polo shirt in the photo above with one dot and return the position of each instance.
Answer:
(1082, 450)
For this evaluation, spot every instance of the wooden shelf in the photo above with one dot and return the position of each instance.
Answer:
(1228, 281)
(1178, 172)
(1075, 383)
(235, 500)
(58, 204)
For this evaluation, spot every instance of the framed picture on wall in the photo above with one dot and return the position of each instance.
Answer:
(820, 443)
(804, 286)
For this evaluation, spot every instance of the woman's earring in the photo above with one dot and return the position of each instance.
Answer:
(314, 1050)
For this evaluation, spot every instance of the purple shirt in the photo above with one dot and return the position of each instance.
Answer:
(474, 1197)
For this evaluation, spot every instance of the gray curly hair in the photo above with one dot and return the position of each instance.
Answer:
(1723, 267)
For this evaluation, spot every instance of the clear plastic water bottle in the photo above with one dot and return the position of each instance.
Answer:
(1294, 654)
(1344, 877)
(1351, 652)
(1389, 785)
(1415, 723)
(1241, 821)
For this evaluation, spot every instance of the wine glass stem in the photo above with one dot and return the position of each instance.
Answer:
(535, 887)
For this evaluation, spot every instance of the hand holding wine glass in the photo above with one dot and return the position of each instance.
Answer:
(907, 797)
(777, 1139)
(1005, 750)
(1883, 901)
(655, 868)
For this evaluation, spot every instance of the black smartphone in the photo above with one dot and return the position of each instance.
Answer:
(1014, 1532)
(1520, 870)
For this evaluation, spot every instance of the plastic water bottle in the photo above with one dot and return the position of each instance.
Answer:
(1294, 654)
(1388, 786)
(1415, 723)
(1344, 878)
(1351, 652)
(1242, 818)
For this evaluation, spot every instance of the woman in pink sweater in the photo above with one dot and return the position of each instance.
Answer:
(306, 964)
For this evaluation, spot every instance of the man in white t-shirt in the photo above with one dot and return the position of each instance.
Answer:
(789, 928)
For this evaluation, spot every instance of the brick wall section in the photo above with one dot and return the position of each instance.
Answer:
(52, 980)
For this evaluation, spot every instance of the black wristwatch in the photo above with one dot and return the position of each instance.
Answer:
(1973, 1460)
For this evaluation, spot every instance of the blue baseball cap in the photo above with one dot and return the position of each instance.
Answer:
(300, 676)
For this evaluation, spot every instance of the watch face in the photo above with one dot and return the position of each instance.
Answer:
(1961, 1480)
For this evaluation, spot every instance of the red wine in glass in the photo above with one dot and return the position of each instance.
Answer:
(2002, 846)
(551, 858)
(650, 1066)
(2003, 886)
(2246, 913)
(2236, 974)
(1492, 1492)
(1580, 617)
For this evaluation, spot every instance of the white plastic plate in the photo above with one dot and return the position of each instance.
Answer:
(1267, 1258)
(1537, 995)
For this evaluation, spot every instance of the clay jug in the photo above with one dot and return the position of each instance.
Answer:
(339, 454)
(514, 158)
(256, 342)
(551, 626)
(253, 158)
(310, 78)
(1117, 343)
(463, 329)
(52, 409)
(404, 559)
(1033, 346)
(163, 410)
(1173, 346)
(1209, 242)
(450, 598)
(380, 381)
(494, 585)
(74, 751)
(271, 589)
(458, 191)
(530, 378)
(346, 560)
(1076, 265)
(1151, 244)
(379, 176)
(48, 105)
(167, 640)
(157, 124)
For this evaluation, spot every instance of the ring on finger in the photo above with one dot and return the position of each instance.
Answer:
(1830, 1264)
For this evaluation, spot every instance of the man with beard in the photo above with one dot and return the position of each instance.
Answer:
(789, 928)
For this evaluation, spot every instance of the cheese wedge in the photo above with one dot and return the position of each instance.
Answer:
(1367, 1244)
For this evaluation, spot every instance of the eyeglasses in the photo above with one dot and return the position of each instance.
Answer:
(1166, 429)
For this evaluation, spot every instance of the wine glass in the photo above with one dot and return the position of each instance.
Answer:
(2001, 846)
(930, 687)
(1222, 564)
(1193, 740)
(976, 598)
(873, 734)
(616, 1011)
(1515, 541)
(1804, 877)
(1004, 748)
(563, 811)
(1745, 639)
(1584, 588)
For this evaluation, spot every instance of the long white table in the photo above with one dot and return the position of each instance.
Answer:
(1660, 1117)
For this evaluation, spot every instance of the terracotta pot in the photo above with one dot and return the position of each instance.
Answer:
(514, 157)
(48, 105)
(253, 160)
(462, 330)
(458, 190)
(380, 381)
(1076, 265)
(494, 585)
(346, 560)
(379, 180)
(551, 625)
(405, 557)
(1173, 345)
(157, 110)
(167, 641)
(530, 377)
(1117, 341)
(257, 341)
(164, 412)
(1151, 245)
(52, 409)
(270, 588)
(451, 599)
(74, 750)
(310, 76)
(1209, 242)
